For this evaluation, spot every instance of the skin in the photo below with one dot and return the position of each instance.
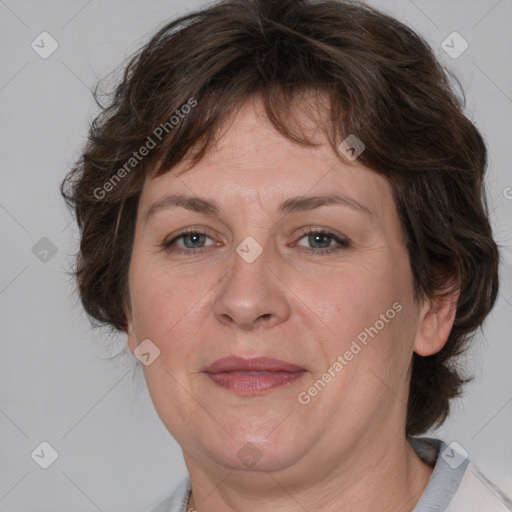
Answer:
(345, 449)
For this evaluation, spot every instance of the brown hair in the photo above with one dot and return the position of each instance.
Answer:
(384, 84)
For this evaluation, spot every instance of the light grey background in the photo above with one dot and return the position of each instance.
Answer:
(56, 382)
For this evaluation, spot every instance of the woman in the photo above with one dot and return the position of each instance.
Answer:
(283, 208)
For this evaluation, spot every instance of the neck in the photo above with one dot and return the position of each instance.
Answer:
(392, 478)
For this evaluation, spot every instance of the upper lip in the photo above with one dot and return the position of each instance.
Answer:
(255, 364)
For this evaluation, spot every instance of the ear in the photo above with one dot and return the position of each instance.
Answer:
(435, 323)
(130, 333)
(131, 339)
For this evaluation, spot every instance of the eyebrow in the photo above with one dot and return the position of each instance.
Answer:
(290, 205)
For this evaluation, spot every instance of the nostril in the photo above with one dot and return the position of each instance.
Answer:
(264, 317)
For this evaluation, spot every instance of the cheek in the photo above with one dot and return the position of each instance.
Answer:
(163, 309)
(369, 314)
(162, 299)
(352, 301)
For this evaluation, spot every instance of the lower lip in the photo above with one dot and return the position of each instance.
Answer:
(249, 383)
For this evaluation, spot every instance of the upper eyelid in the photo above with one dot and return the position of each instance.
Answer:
(182, 234)
(188, 231)
(341, 240)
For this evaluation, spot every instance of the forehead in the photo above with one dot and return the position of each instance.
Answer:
(253, 162)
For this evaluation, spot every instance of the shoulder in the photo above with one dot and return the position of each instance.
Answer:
(456, 484)
(177, 501)
(476, 493)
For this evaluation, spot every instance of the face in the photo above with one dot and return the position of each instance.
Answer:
(264, 271)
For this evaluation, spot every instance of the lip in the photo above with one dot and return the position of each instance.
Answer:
(252, 376)
(255, 364)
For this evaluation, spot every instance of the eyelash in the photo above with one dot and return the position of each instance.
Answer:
(343, 243)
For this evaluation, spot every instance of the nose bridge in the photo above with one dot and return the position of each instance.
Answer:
(250, 293)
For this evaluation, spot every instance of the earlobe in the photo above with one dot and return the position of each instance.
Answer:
(131, 339)
(436, 321)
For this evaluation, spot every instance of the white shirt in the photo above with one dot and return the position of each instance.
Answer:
(455, 485)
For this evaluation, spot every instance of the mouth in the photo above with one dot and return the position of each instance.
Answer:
(252, 376)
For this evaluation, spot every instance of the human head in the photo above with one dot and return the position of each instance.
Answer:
(383, 84)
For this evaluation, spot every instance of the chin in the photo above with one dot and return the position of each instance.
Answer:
(257, 452)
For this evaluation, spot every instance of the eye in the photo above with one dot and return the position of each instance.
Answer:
(193, 241)
(187, 242)
(323, 240)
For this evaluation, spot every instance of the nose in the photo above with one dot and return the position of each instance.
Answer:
(251, 295)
